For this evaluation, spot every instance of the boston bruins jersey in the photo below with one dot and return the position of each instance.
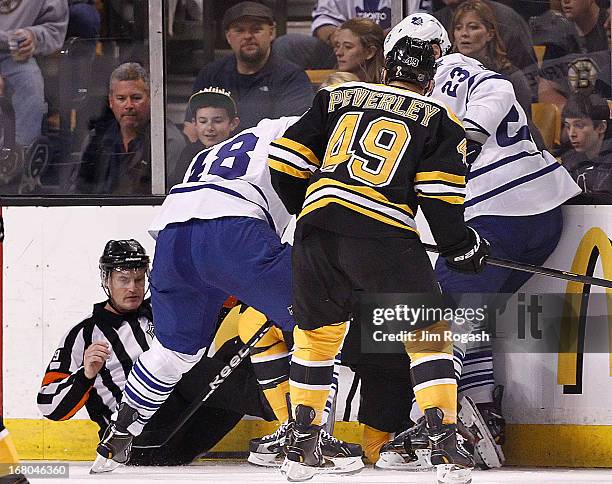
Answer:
(365, 156)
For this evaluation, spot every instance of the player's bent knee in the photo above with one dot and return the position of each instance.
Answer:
(166, 361)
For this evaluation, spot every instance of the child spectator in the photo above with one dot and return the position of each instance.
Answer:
(589, 161)
(215, 118)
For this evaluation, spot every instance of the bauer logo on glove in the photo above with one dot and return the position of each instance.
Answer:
(471, 257)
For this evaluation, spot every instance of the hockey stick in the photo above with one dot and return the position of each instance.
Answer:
(545, 271)
(161, 437)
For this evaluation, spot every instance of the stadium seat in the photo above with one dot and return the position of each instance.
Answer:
(547, 117)
(539, 50)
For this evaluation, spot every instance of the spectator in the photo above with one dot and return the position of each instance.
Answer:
(475, 33)
(315, 51)
(84, 19)
(117, 159)
(263, 84)
(589, 161)
(91, 364)
(35, 27)
(513, 30)
(358, 46)
(215, 118)
(585, 35)
(589, 21)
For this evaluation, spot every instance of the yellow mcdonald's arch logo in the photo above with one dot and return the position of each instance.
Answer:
(595, 245)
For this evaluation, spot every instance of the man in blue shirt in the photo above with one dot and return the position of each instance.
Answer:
(263, 84)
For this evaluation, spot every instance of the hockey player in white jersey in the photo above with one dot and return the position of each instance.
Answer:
(514, 194)
(218, 234)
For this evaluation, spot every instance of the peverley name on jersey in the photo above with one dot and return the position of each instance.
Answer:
(359, 97)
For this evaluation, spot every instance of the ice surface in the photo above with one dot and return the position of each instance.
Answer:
(227, 472)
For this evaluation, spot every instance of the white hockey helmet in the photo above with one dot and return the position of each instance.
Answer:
(419, 26)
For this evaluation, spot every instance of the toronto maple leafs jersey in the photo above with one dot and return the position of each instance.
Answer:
(510, 176)
(335, 12)
(230, 179)
(365, 156)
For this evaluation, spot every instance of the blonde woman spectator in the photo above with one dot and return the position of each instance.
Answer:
(358, 46)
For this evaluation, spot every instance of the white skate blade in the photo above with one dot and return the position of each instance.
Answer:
(102, 464)
(342, 465)
(296, 471)
(452, 474)
(491, 454)
(395, 462)
(265, 460)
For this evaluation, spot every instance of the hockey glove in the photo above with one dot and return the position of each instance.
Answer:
(471, 257)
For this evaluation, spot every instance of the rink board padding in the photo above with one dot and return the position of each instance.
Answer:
(528, 445)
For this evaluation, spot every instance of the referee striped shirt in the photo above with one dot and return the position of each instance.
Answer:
(65, 388)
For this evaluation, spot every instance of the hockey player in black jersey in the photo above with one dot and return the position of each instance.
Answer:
(356, 167)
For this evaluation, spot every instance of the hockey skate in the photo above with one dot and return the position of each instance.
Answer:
(488, 453)
(116, 446)
(268, 451)
(492, 415)
(305, 455)
(453, 463)
(408, 451)
(346, 456)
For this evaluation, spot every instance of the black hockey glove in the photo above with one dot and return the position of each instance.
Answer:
(470, 258)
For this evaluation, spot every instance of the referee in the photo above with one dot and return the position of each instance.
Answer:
(93, 360)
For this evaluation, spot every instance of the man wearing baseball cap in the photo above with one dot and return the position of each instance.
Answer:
(214, 117)
(262, 84)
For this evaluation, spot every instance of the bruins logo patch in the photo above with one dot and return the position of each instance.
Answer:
(7, 6)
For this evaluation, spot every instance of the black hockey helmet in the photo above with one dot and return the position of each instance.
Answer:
(411, 60)
(123, 254)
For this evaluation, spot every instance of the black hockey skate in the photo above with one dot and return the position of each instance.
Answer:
(116, 446)
(453, 463)
(485, 424)
(304, 449)
(268, 451)
(346, 456)
(408, 451)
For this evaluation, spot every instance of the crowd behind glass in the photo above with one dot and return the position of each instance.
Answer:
(75, 89)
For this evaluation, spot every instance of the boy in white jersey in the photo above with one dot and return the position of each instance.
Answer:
(218, 234)
(514, 194)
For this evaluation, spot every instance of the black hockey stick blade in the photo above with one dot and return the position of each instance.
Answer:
(545, 271)
(160, 437)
